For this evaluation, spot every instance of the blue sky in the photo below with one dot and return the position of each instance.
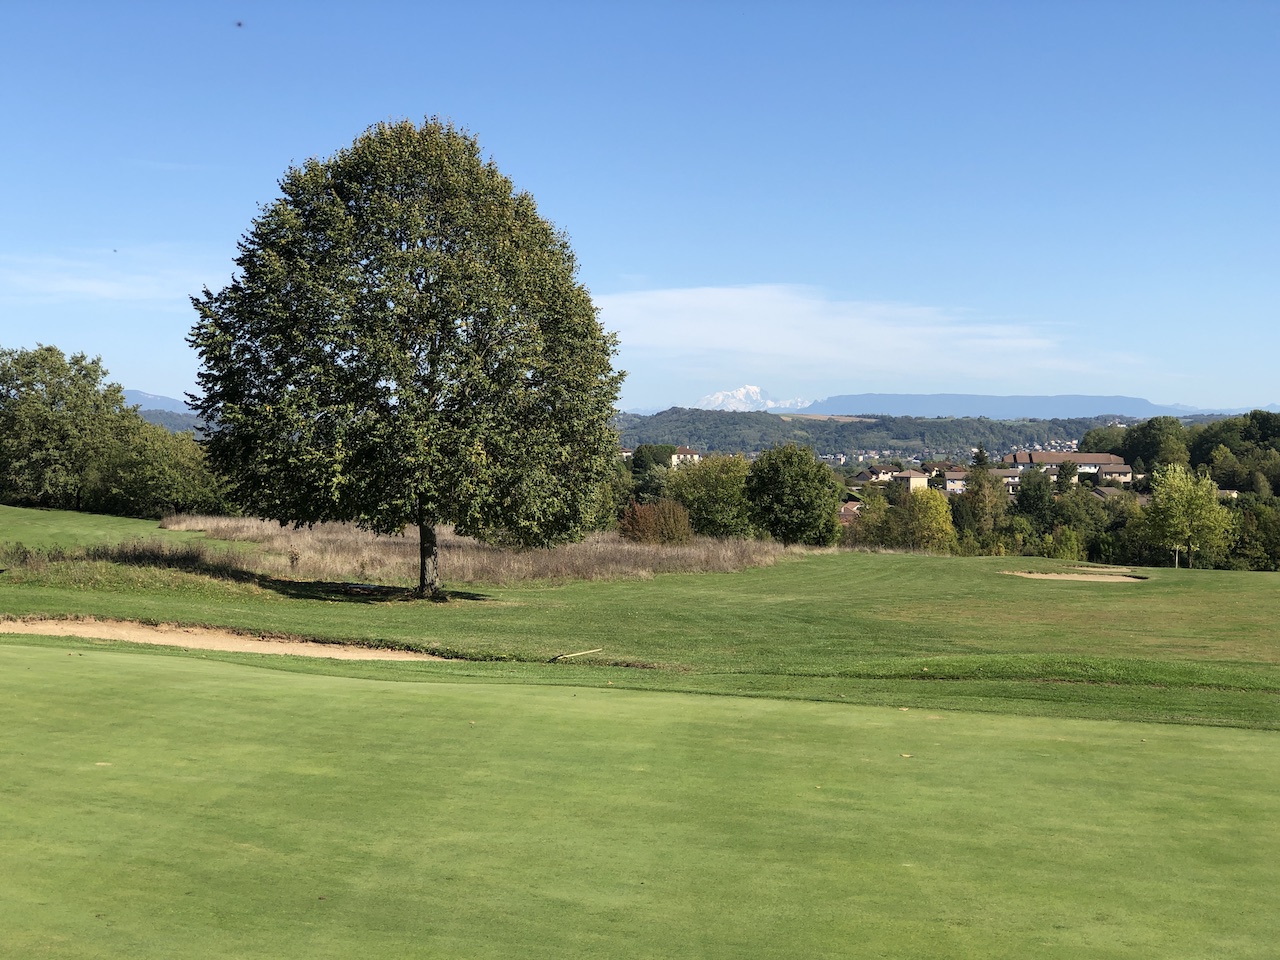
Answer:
(816, 198)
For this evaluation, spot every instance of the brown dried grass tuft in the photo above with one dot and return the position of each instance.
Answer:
(342, 553)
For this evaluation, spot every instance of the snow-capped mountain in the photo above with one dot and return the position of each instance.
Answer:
(747, 398)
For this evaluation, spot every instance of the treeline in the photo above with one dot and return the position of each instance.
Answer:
(1240, 453)
(786, 494)
(720, 431)
(68, 440)
(1181, 519)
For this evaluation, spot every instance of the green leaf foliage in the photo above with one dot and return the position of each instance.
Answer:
(714, 491)
(922, 521)
(794, 496)
(1184, 514)
(68, 440)
(405, 342)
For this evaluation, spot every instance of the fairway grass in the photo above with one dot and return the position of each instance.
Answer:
(66, 528)
(156, 805)
(1187, 646)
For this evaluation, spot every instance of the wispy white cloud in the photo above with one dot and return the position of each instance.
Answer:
(796, 340)
(140, 276)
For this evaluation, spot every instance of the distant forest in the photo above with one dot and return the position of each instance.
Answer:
(719, 431)
(171, 421)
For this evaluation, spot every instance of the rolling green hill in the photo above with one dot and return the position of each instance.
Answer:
(718, 431)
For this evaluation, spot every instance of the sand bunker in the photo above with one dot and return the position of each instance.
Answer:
(1092, 577)
(201, 638)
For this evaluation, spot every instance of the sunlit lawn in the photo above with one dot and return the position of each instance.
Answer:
(162, 806)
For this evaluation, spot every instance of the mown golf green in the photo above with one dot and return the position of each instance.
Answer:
(841, 755)
(164, 806)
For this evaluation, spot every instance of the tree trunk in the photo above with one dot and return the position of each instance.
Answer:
(428, 561)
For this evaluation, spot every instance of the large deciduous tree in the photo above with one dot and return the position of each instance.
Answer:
(405, 343)
(68, 440)
(794, 496)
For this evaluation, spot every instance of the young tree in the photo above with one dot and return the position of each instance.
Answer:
(650, 466)
(405, 343)
(980, 509)
(1066, 479)
(794, 496)
(923, 522)
(649, 455)
(1035, 499)
(714, 491)
(870, 526)
(1184, 513)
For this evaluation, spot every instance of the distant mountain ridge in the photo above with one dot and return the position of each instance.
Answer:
(1065, 406)
(153, 401)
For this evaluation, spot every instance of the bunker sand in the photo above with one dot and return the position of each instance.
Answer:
(202, 638)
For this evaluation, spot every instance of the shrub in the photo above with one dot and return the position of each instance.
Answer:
(665, 521)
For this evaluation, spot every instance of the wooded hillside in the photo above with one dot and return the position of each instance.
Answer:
(719, 431)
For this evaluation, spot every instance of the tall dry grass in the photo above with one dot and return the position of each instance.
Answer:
(338, 552)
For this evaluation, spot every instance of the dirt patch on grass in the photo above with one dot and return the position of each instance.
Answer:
(1091, 577)
(202, 638)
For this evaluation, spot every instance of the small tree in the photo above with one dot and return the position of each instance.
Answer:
(980, 509)
(714, 491)
(794, 496)
(649, 455)
(1067, 473)
(923, 522)
(1184, 513)
(1035, 499)
(405, 343)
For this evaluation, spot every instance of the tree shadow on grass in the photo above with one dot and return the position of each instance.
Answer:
(197, 559)
(358, 592)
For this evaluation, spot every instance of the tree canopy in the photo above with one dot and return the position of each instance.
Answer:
(57, 418)
(405, 343)
(794, 496)
(68, 440)
(1184, 514)
(715, 494)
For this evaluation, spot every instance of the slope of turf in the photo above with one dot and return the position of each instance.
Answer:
(65, 528)
(158, 806)
(1186, 645)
